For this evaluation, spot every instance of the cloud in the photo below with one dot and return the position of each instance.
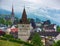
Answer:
(19, 4)
(51, 14)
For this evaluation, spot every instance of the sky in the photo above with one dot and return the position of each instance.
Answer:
(43, 8)
(29, 4)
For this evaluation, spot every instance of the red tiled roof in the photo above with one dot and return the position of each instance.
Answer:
(1, 32)
(0, 29)
(14, 30)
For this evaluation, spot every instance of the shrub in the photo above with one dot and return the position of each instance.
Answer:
(8, 36)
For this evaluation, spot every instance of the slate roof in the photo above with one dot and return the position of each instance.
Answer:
(51, 26)
(49, 33)
(54, 34)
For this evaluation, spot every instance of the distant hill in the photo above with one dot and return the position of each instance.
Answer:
(42, 16)
(3, 11)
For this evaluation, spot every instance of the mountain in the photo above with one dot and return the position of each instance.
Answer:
(48, 14)
(42, 13)
(3, 11)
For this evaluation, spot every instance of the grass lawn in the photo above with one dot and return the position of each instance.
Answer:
(8, 43)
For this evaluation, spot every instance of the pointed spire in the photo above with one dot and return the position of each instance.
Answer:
(24, 16)
(12, 10)
(12, 15)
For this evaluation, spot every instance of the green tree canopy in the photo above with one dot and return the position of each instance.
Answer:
(57, 43)
(58, 28)
(2, 21)
(8, 22)
(36, 40)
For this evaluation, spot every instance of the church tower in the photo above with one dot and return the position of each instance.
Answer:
(24, 27)
(12, 15)
(24, 17)
(12, 11)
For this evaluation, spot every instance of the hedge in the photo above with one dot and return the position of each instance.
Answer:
(16, 40)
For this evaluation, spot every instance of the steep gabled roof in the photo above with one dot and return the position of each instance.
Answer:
(24, 18)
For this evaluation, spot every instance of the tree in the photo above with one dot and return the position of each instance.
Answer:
(2, 21)
(16, 20)
(29, 20)
(33, 23)
(57, 43)
(8, 22)
(58, 28)
(36, 40)
(48, 22)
